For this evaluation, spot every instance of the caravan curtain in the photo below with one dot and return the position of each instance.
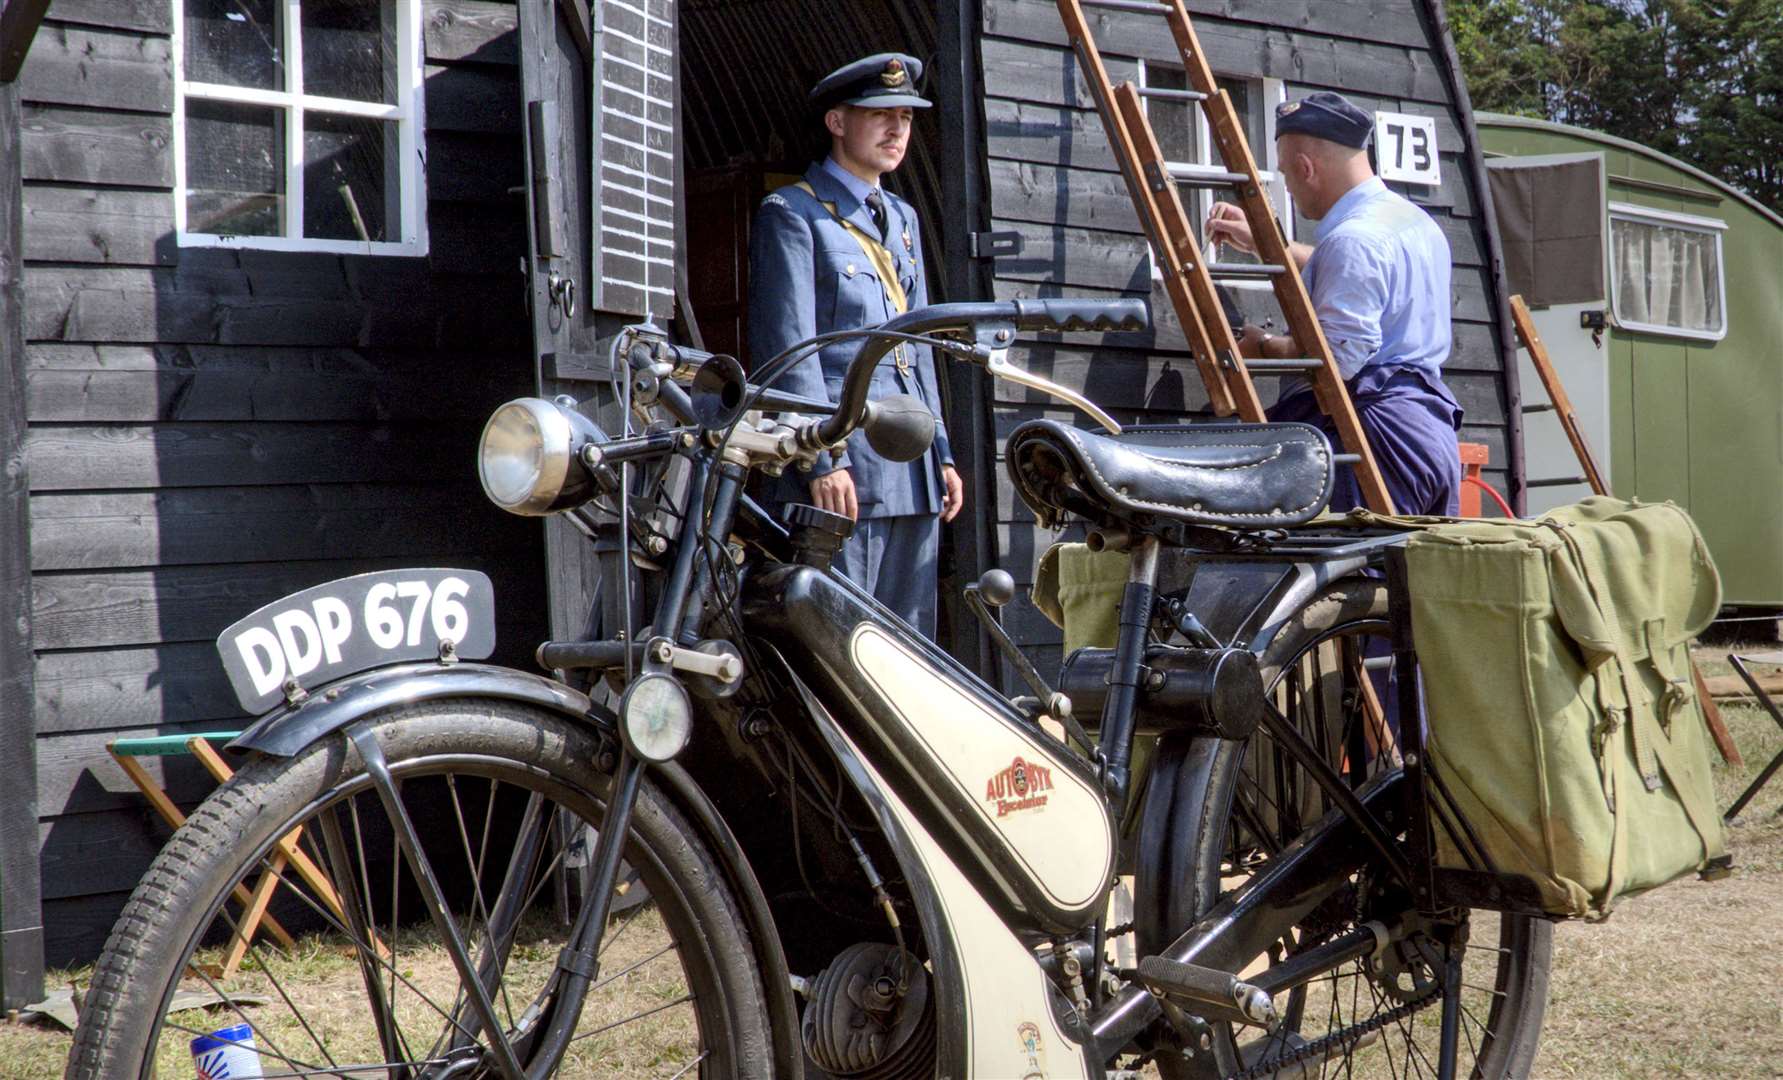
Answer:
(1667, 275)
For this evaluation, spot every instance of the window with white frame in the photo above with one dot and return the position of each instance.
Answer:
(1187, 144)
(1666, 274)
(297, 125)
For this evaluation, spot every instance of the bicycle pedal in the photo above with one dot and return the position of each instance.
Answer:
(1208, 991)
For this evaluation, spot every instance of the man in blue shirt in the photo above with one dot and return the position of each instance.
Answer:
(1378, 276)
(837, 252)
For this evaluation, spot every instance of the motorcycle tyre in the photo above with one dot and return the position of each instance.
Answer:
(226, 838)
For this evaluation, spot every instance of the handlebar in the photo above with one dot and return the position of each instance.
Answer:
(1034, 316)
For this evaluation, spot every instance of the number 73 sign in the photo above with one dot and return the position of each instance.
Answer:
(1405, 148)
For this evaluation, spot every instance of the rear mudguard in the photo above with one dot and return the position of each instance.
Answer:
(286, 731)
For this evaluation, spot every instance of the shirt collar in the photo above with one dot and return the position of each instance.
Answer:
(856, 186)
(1350, 202)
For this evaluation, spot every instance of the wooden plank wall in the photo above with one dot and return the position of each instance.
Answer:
(1054, 180)
(209, 430)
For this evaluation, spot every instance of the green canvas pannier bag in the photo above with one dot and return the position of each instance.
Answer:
(1562, 714)
(1080, 591)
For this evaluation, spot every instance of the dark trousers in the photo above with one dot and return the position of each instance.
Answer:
(1411, 426)
(894, 558)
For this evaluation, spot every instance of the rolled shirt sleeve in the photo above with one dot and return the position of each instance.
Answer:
(1350, 287)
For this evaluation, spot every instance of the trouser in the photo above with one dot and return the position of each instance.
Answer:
(1411, 430)
(894, 558)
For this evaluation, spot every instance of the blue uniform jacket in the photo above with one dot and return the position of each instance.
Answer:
(808, 275)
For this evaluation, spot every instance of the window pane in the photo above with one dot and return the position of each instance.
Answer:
(350, 191)
(349, 49)
(236, 42)
(1172, 121)
(1666, 276)
(235, 168)
(1246, 102)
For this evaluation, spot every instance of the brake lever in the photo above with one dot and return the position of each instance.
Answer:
(995, 359)
(999, 366)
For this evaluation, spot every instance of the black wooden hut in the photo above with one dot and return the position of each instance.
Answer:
(252, 313)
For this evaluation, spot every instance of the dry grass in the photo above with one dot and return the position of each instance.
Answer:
(1686, 981)
(323, 975)
(1683, 982)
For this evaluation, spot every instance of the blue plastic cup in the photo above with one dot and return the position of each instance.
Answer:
(227, 1054)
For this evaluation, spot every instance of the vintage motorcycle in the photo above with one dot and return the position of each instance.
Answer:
(759, 827)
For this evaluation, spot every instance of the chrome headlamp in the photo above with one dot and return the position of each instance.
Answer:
(527, 458)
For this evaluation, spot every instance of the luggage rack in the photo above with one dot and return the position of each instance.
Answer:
(1316, 542)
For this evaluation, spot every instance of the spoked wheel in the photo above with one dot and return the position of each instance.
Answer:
(353, 974)
(1329, 672)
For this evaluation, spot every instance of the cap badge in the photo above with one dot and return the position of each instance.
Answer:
(893, 75)
(1288, 107)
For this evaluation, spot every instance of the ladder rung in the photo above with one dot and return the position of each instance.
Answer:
(1271, 367)
(1170, 94)
(1549, 407)
(1346, 459)
(1150, 7)
(1558, 481)
(1190, 176)
(1245, 270)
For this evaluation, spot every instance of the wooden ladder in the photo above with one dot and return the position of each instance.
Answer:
(1188, 278)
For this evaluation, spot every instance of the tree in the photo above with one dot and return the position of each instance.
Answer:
(1701, 80)
(1508, 66)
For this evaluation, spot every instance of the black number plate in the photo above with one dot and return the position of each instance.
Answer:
(353, 624)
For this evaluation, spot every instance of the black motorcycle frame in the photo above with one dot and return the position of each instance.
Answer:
(1237, 599)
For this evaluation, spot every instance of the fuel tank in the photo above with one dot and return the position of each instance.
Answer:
(1022, 816)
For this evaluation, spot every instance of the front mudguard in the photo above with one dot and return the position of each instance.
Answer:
(286, 731)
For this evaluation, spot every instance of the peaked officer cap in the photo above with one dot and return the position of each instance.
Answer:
(880, 81)
(1325, 115)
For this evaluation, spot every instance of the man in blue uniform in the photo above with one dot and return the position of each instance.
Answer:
(835, 251)
(1379, 280)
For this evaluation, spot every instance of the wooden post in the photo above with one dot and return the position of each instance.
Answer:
(1569, 422)
(21, 908)
(965, 207)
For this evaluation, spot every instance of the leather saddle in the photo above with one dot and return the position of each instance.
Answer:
(1238, 476)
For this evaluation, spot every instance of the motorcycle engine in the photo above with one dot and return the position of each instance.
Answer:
(857, 1025)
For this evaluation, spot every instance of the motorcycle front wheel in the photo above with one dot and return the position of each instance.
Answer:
(349, 972)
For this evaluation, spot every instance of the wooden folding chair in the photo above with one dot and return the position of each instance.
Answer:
(254, 902)
(1739, 664)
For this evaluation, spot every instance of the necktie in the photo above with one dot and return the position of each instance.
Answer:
(876, 207)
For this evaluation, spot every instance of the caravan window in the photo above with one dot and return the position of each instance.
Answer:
(1186, 142)
(297, 125)
(1666, 272)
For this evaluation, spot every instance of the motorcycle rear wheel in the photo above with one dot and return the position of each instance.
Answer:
(504, 798)
(1372, 1018)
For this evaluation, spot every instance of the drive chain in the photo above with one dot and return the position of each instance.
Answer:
(1347, 1036)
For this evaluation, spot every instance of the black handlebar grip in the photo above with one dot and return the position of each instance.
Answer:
(1063, 315)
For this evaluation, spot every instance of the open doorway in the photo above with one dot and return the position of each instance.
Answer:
(746, 67)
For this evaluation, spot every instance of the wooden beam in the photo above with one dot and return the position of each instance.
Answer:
(18, 25)
(1498, 287)
(575, 12)
(21, 921)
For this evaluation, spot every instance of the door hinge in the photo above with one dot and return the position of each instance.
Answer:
(994, 245)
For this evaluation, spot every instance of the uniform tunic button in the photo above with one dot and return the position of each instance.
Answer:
(849, 270)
